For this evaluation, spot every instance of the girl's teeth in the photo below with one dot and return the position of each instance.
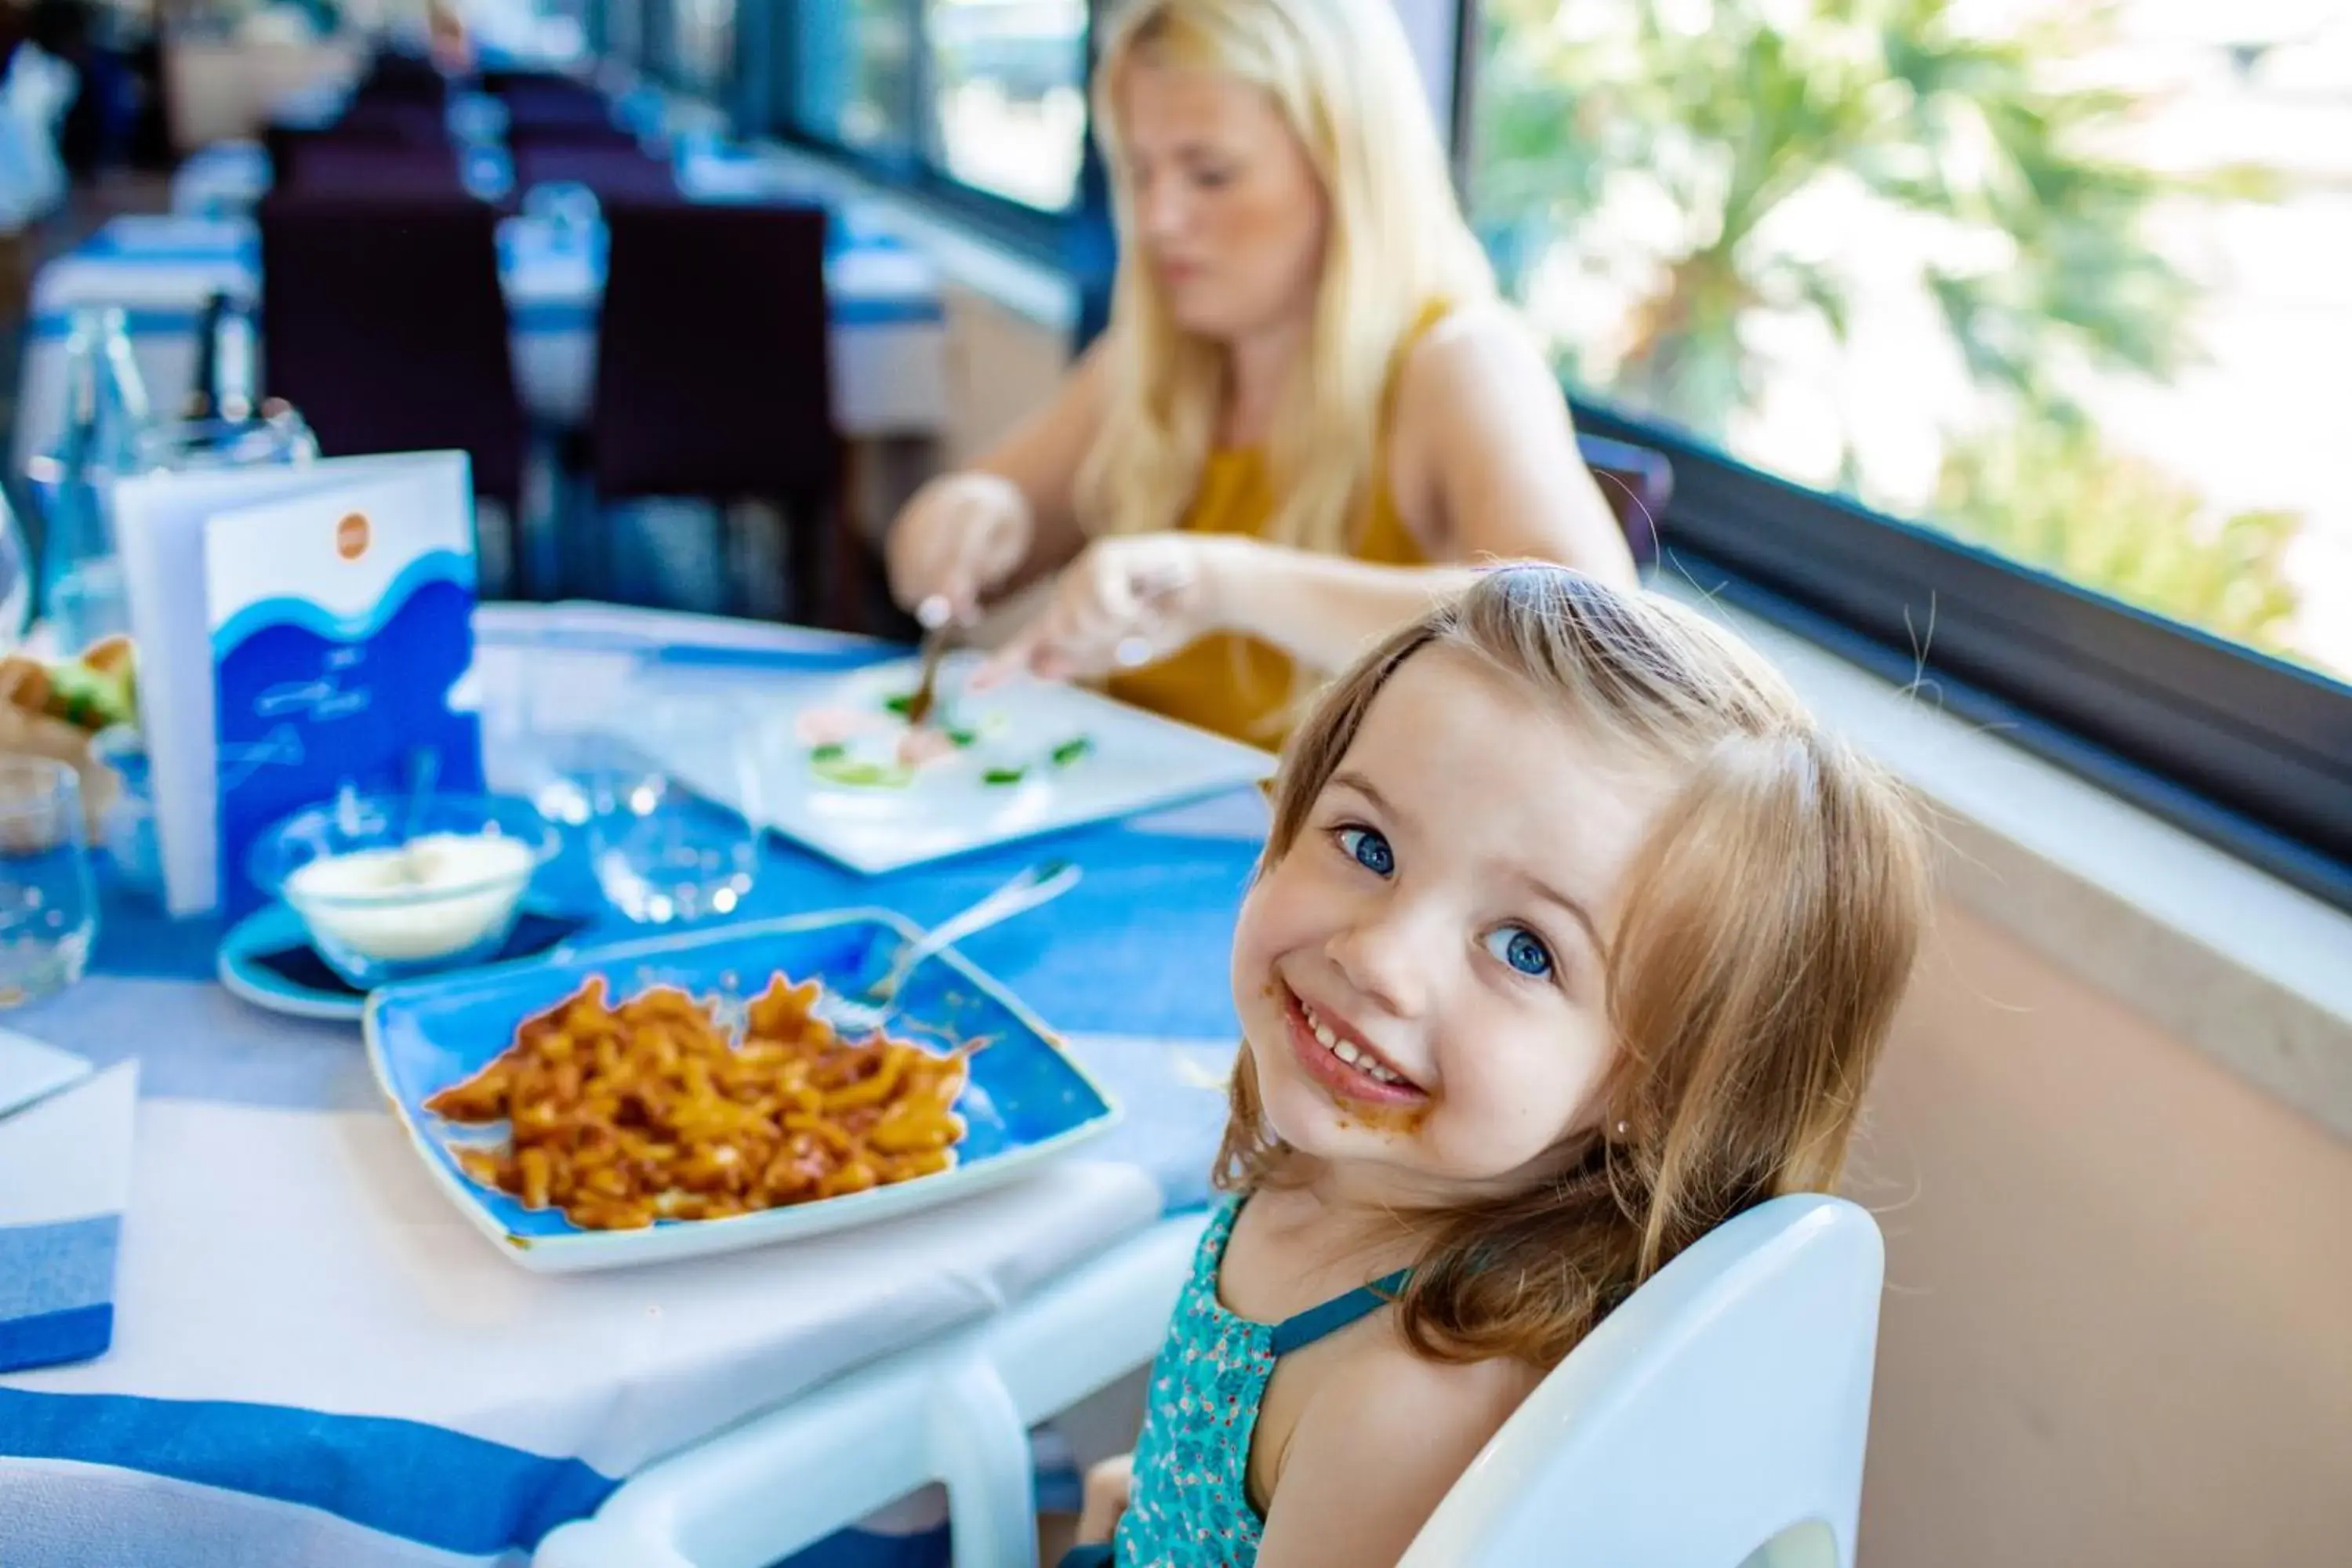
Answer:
(1361, 1061)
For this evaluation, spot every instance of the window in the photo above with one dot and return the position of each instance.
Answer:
(701, 53)
(557, 30)
(2062, 285)
(852, 73)
(620, 32)
(1008, 95)
(981, 100)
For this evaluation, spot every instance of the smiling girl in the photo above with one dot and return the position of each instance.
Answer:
(1574, 937)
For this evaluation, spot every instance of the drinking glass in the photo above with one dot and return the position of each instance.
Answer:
(16, 579)
(676, 841)
(126, 825)
(649, 783)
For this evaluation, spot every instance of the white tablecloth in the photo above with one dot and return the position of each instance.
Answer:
(890, 331)
(292, 1270)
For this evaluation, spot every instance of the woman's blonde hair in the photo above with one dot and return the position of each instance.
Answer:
(1768, 928)
(1342, 77)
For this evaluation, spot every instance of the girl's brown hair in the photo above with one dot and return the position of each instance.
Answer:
(1765, 934)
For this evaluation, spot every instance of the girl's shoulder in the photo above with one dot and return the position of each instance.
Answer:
(1384, 1435)
(1384, 1366)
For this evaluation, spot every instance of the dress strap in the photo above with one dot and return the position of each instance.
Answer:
(1303, 1328)
(1430, 313)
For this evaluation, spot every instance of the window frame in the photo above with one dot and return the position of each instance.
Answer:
(660, 47)
(663, 63)
(629, 46)
(2247, 751)
(920, 171)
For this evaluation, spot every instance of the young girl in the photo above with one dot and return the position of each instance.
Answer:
(1574, 937)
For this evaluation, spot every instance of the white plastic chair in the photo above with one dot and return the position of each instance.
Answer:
(1715, 1420)
(956, 1412)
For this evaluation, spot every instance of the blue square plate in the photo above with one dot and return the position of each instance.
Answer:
(1028, 1101)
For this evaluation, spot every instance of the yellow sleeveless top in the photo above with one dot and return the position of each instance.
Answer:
(1242, 685)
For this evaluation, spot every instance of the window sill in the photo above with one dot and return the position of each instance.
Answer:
(2249, 971)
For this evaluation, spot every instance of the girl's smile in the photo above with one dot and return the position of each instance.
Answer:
(1341, 1059)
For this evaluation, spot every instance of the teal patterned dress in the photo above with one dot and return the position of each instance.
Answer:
(1190, 1506)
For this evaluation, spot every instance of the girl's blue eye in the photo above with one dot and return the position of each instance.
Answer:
(1368, 850)
(1522, 950)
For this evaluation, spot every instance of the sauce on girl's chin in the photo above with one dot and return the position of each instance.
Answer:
(1394, 1120)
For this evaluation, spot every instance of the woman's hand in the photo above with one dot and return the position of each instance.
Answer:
(962, 537)
(1109, 1486)
(1125, 601)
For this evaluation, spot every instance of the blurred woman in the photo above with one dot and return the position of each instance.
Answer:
(1309, 412)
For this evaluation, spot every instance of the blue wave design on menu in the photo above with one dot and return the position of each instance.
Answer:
(301, 712)
(286, 610)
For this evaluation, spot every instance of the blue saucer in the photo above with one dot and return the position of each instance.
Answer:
(267, 959)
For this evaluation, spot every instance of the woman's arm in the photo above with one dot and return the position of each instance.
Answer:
(980, 533)
(1376, 1451)
(1041, 457)
(1322, 610)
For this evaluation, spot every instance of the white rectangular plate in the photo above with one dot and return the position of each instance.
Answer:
(757, 759)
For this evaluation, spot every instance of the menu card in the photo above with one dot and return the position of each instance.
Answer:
(299, 628)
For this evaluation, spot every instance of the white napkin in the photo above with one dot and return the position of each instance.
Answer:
(30, 1070)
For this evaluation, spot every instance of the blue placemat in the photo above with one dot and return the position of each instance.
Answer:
(1140, 946)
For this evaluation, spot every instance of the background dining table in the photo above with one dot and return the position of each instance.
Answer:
(888, 317)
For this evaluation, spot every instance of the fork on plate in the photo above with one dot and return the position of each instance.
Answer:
(868, 1010)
